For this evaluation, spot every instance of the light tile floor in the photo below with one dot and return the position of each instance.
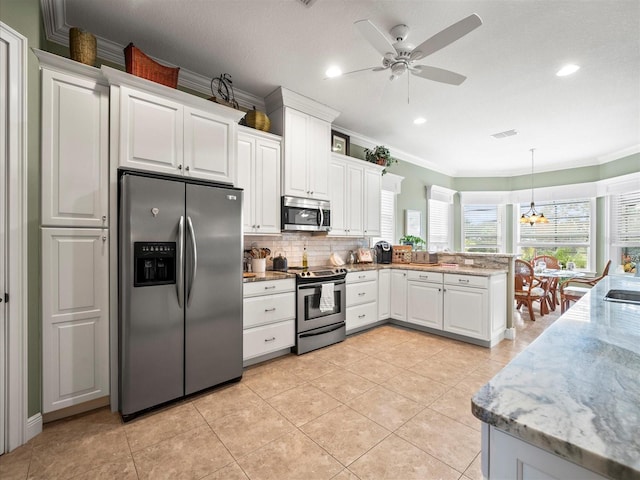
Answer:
(389, 403)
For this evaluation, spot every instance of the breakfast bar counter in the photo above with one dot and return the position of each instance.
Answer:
(575, 391)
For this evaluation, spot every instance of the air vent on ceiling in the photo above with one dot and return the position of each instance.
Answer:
(505, 134)
(307, 3)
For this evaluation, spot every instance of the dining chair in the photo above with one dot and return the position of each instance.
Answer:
(574, 289)
(549, 284)
(528, 288)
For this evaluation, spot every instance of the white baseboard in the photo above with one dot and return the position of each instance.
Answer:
(34, 426)
(510, 334)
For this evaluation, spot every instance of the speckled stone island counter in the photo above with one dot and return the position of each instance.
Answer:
(268, 275)
(575, 391)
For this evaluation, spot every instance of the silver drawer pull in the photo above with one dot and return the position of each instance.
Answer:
(269, 339)
(362, 276)
(270, 288)
(423, 276)
(270, 309)
(361, 294)
(463, 280)
(362, 316)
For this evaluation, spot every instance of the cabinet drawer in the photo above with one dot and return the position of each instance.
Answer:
(268, 309)
(364, 276)
(434, 277)
(466, 280)
(252, 289)
(268, 338)
(363, 292)
(361, 315)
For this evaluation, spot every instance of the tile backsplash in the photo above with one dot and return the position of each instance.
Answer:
(291, 245)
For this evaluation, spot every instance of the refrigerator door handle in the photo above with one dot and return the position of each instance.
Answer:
(194, 269)
(180, 266)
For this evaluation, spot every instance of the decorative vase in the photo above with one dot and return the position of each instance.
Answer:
(82, 46)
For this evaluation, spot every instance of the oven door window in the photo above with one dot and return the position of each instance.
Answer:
(312, 304)
(304, 216)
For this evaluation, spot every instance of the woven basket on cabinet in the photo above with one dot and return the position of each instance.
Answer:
(140, 65)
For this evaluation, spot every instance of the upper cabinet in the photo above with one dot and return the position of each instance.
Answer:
(306, 128)
(259, 177)
(75, 148)
(164, 130)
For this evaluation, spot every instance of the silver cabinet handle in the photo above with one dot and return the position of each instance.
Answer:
(180, 266)
(362, 276)
(362, 316)
(104, 238)
(179, 167)
(270, 288)
(424, 276)
(463, 280)
(270, 309)
(104, 218)
(361, 294)
(187, 168)
(194, 246)
(269, 339)
(257, 226)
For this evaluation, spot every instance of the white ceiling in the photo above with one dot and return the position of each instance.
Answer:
(588, 118)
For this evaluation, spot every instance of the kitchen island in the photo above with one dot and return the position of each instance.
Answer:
(572, 396)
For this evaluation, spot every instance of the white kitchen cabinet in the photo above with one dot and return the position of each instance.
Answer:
(510, 457)
(399, 294)
(424, 299)
(75, 321)
(384, 294)
(372, 198)
(268, 317)
(306, 155)
(346, 197)
(474, 306)
(75, 150)
(259, 176)
(362, 293)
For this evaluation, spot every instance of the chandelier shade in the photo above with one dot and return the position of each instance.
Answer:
(532, 216)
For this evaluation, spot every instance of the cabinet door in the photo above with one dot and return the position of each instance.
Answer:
(372, 187)
(318, 157)
(295, 153)
(384, 294)
(246, 154)
(75, 333)
(466, 311)
(267, 184)
(209, 151)
(339, 204)
(75, 151)
(424, 304)
(151, 135)
(355, 197)
(399, 295)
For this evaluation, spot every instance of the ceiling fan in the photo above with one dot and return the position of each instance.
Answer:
(400, 57)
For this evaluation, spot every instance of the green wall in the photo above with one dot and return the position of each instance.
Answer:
(24, 16)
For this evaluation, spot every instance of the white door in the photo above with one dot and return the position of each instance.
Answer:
(208, 146)
(4, 162)
(466, 311)
(75, 135)
(399, 294)
(372, 188)
(246, 179)
(296, 170)
(384, 294)
(267, 184)
(75, 330)
(339, 205)
(355, 196)
(424, 304)
(318, 157)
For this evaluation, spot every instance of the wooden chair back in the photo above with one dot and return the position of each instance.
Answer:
(552, 262)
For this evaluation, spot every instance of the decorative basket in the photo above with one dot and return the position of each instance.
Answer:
(258, 120)
(401, 254)
(82, 46)
(140, 65)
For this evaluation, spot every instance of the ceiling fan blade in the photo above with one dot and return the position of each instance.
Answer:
(438, 74)
(375, 37)
(368, 69)
(446, 36)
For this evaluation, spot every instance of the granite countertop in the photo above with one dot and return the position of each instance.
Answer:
(575, 391)
(358, 267)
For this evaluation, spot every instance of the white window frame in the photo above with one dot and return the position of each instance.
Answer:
(499, 246)
(439, 198)
(610, 189)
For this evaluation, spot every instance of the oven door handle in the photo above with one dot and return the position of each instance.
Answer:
(319, 284)
(330, 328)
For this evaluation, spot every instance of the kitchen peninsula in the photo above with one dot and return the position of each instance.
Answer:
(568, 405)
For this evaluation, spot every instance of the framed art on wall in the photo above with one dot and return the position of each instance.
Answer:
(339, 142)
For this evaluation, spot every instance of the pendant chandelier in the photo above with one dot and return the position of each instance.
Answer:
(532, 216)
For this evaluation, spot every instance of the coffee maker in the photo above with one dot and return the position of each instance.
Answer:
(384, 252)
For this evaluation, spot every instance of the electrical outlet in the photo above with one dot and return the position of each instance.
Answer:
(468, 261)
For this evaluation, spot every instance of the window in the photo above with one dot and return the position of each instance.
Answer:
(625, 229)
(440, 234)
(567, 236)
(482, 228)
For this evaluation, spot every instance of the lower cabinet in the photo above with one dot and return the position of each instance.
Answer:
(384, 294)
(269, 312)
(75, 318)
(424, 299)
(399, 295)
(362, 294)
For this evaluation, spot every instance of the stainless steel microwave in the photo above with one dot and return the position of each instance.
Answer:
(305, 214)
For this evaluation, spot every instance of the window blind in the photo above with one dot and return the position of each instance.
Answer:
(626, 219)
(387, 215)
(569, 224)
(482, 228)
(439, 224)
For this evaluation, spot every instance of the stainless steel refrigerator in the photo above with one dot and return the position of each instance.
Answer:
(180, 283)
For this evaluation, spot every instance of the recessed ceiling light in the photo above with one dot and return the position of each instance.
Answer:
(333, 72)
(568, 70)
(420, 121)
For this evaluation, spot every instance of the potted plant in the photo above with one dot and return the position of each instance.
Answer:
(380, 156)
(412, 240)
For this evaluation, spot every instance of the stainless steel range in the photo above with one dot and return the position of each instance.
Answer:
(321, 307)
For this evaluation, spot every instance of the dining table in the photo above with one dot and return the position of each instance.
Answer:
(550, 276)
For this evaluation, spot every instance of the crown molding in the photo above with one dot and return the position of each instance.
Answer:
(57, 30)
(283, 97)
